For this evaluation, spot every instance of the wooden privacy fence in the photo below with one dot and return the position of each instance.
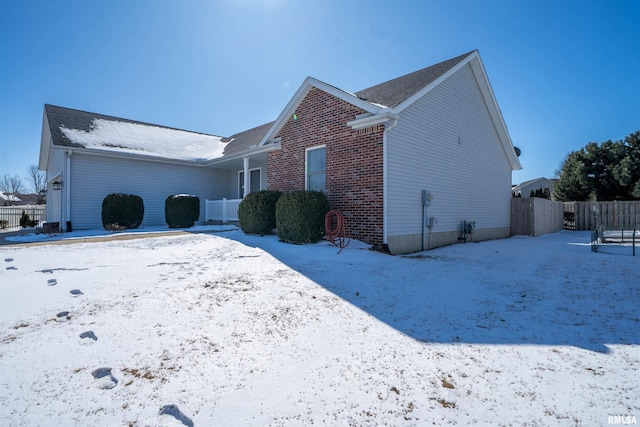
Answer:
(12, 215)
(621, 215)
(533, 216)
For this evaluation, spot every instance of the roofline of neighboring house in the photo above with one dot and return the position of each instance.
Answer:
(529, 182)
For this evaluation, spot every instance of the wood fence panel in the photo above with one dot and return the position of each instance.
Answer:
(613, 215)
(533, 216)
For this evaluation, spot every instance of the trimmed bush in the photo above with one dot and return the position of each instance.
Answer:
(122, 211)
(26, 222)
(300, 216)
(181, 210)
(4, 224)
(257, 212)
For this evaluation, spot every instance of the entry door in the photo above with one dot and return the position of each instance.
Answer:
(254, 181)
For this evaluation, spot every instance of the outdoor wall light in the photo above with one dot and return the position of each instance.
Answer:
(57, 185)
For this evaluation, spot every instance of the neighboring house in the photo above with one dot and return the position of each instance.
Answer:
(9, 199)
(524, 189)
(372, 152)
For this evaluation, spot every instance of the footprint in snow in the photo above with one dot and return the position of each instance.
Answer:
(52, 282)
(75, 292)
(88, 338)
(8, 259)
(106, 380)
(173, 411)
(63, 316)
(12, 268)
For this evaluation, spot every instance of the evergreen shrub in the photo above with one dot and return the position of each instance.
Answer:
(257, 212)
(181, 210)
(26, 221)
(300, 216)
(122, 211)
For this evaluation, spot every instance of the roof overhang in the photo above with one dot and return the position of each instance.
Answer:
(45, 143)
(384, 117)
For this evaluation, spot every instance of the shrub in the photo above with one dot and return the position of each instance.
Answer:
(26, 222)
(257, 212)
(300, 216)
(4, 223)
(122, 211)
(181, 210)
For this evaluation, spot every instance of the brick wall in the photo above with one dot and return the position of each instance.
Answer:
(354, 161)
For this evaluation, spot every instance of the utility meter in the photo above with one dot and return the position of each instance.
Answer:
(427, 197)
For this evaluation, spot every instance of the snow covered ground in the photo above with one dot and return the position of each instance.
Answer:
(226, 329)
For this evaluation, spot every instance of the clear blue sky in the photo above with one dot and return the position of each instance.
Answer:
(564, 72)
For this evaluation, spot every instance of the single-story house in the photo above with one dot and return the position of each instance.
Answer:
(409, 162)
(9, 199)
(525, 188)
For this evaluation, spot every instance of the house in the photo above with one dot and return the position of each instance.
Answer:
(409, 162)
(9, 199)
(524, 189)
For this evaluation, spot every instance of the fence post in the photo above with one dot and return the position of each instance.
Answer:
(224, 209)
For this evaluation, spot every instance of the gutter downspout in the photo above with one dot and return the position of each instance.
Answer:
(67, 188)
(385, 227)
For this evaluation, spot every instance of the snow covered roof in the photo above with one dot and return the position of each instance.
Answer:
(75, 128)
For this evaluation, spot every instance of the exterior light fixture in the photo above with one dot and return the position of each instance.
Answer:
(57, 185)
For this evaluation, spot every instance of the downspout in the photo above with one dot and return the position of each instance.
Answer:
(67, 189)
(385, 227)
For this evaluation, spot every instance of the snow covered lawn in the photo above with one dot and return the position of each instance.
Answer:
(226, 329)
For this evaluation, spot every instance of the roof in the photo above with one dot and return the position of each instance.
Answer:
(82, 129)
(393, 92)
(243, 141)
(529, 182)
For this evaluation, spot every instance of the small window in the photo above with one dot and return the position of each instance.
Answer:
(316, 165)
(254, 182)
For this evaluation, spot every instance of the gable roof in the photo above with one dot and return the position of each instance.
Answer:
(529, 182)
(395, 91)
(383, 103)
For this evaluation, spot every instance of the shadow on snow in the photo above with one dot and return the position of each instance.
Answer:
(549, 290)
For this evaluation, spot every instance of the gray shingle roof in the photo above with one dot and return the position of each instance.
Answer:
(241, 141)
(394, 92)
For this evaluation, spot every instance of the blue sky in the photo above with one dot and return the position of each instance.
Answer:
(564, 73)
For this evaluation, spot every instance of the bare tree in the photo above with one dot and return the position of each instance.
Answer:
(11, 185)
(37, 179)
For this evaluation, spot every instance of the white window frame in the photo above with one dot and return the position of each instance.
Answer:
(240, 189)
(306, 165)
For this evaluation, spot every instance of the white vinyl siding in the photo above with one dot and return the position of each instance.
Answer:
(446, 143)
(316, 168)
(94, 177)
(55, 166)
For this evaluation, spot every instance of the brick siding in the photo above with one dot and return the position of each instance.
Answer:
(354, 161)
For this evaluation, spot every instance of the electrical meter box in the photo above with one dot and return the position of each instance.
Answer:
(427, 197)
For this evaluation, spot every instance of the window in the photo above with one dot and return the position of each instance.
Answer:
(316, 168)
(254, 182)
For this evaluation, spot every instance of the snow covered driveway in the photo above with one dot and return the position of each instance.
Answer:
(228, 329)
